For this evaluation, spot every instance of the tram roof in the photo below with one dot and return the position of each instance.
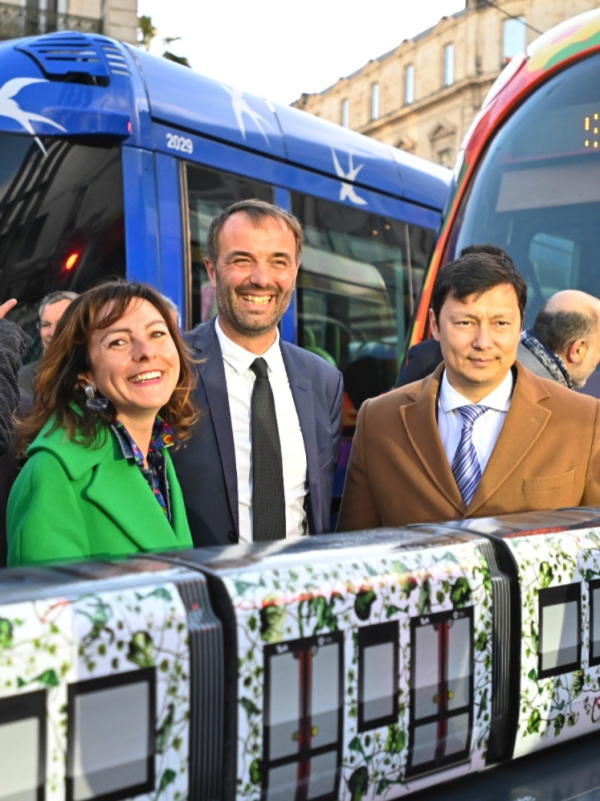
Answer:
(86, 85)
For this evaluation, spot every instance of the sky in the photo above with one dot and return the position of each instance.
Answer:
(278, 49)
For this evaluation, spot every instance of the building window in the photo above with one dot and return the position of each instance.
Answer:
(409, 85)
(449, 65)
(375, 101)
(377, 675)
(346, 113)
(560, 630)
(444, 157)
(513, 41)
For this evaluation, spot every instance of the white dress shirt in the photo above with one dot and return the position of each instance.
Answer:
(240, 382)
(486, 429)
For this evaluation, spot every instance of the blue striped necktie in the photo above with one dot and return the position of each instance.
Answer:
(465, 466)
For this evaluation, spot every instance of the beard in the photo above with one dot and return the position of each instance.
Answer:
(242, 319)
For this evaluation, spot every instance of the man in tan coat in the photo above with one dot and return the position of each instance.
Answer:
(480, 436)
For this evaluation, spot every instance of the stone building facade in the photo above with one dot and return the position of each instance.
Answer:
(115, 18)
(423, 95)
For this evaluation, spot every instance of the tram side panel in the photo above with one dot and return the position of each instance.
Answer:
(363, 677)
(95, 696)
(559, 577)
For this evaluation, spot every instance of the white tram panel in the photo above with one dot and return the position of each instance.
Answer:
(94, 690)
(365, 669)
(559, 578)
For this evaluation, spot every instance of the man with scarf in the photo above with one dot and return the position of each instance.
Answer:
(564, 342)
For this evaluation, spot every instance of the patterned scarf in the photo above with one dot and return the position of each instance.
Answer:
(553, 363)
(156, 473)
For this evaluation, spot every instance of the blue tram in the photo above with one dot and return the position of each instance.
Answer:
(364, 666)
(113, 162)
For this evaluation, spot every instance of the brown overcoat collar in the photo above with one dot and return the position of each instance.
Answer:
(524, 424)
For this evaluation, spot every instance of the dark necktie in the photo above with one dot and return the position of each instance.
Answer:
(465, 465)
(268, 498)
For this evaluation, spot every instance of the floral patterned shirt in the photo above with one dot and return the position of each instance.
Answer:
(156, 472)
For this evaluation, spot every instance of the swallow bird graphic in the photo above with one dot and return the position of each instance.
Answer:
(347, 190)
(241, 107)
(11, 109)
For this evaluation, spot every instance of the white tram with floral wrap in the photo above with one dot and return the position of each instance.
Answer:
(351, 667)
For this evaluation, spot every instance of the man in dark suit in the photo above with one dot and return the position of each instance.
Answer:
(261, 461)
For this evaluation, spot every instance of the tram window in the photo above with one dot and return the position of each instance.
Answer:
(361, 274)
(284, 695)
(110, 750)
(22, 746)
(560, 630)
(65, 205)
(459, 663)
(424, 744)
(377, 675)
(324, 695)
(426, 661)
(208, 193)
(303, 718)
(553, 260)
(442, 690)
(283, 782)
(322, 776)
(595, 622)
(536, 193)
(457, 737)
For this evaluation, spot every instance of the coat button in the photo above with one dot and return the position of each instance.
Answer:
(231, 536)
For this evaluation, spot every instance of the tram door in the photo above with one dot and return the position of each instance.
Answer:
(441, 690)
(303, 719)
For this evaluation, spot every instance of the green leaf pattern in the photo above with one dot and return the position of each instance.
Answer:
(48, 644)
(287, 603)
(567, 705)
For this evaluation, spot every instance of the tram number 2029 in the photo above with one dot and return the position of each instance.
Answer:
(181, 143)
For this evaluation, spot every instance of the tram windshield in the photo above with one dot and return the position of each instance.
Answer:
(61, 221)
(537, 191)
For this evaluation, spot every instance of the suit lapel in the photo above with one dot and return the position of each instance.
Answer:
(421, 427)
(212, 375)
(525, 421)
(303, 400)
(122, 493)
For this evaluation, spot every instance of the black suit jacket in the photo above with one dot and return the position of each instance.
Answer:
(205, 464)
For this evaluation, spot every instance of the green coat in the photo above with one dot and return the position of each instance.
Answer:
(72, 502)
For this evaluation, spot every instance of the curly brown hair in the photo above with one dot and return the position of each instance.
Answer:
(60, 395)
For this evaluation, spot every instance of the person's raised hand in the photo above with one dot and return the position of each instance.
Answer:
(6, 307)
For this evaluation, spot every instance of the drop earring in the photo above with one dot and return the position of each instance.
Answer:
(94, 403)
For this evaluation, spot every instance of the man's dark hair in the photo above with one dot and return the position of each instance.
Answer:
(257, 211)
(478, 269)
(558, 330)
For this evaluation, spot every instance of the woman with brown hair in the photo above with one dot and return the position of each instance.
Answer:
(113, 393)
